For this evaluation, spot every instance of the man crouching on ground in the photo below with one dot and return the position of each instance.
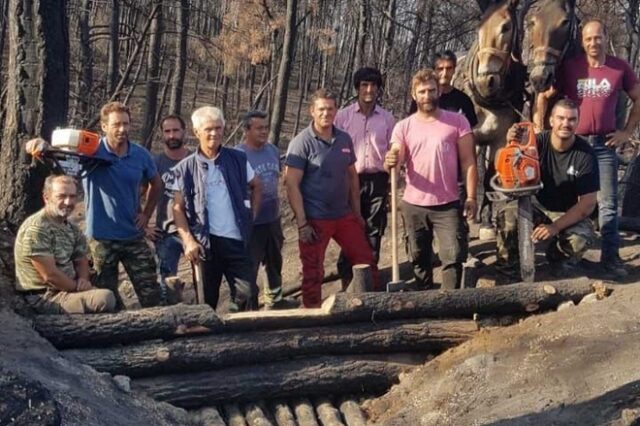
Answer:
(52, 268)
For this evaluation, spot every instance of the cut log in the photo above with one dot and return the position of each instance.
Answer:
(208, 416)
(214, 352)
(352, 413)
(327, 413)
(255, 415)
(283, 414)
(305, 377)
(362, 281)
(463, 303)
(305, 414)
(68, 331)
(72, 331)
(233, 415)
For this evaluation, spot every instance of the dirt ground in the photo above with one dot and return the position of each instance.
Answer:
(575, 367)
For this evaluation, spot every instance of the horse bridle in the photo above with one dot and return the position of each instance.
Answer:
(506, 57)
(556, 54)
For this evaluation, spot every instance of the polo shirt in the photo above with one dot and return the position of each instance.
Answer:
(325, 183)
(112, 193)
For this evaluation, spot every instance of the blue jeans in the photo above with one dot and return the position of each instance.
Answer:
(169, 249)
(607, 197)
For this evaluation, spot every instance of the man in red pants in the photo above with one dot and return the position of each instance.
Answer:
(324, 193)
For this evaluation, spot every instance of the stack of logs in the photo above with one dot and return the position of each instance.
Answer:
(356, 344)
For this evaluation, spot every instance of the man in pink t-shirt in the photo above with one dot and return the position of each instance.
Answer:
(370, 127)
(432, 143)
(594, 80)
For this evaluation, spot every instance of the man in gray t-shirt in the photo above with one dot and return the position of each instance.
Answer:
(266, 236)
(324, 193)
(164, 234)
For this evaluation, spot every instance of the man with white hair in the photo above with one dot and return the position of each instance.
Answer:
(214, 209)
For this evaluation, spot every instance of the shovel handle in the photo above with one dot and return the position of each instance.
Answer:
(199, 281)
(395, 270)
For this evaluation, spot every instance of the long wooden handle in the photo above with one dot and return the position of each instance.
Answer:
(199, 278)
(395, 269)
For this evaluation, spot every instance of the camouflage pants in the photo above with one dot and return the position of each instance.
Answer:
(138, 260)
(96, 300)
(570, 244)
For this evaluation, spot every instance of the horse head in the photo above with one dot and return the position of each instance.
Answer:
(551, 28)
(497, 39)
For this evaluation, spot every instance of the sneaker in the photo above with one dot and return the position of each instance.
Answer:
(486, 233)
(233, 307)
(614, 269)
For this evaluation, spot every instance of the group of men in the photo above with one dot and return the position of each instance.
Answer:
(219, 206)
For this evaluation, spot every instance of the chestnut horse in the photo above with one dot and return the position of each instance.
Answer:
(494, 75)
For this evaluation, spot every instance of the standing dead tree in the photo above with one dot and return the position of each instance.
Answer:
(36, 100)
(182, 25)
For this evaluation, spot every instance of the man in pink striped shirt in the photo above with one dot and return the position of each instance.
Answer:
(370, 127)
(433, 142)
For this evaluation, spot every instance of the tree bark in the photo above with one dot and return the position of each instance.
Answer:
(388, 35)
(72, 331)
(114, 47)
(37, 99)
(154, 73)
(85, 77)
(182, 22)
(228, 350)
(284, 73)
(363, 35)
(305, 377)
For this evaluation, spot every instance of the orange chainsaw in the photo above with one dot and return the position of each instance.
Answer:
(72, 152)
(518, 177)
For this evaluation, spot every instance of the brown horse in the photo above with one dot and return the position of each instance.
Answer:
(494, 75)
(551, 28)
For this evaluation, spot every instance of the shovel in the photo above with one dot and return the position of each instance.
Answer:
(396, 284)
(198, 277)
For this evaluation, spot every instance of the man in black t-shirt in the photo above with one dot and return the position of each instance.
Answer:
(451, 99)
(569, 171)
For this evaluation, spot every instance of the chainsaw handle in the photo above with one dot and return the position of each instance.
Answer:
(493, 182)
(531, 133)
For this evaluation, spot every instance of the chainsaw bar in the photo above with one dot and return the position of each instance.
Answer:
(526, 247)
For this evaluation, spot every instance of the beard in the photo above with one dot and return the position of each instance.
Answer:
(60, 212)
(429, 106)
(174, 143)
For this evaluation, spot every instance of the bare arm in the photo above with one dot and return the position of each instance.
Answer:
(154, 191)
(49, 272)
(469, 168)
(255, 185)
(622, 136)
(192, 250)
(541, 105)
(354, 191)
(292, 180)
(580, 211)
(81, 266)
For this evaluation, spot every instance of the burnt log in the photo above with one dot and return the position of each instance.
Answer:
(72, 331)
(514, 299)
(295, 378)
(226, 350)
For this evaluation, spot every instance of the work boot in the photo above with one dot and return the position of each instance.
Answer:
(614, 269)
(282, 304)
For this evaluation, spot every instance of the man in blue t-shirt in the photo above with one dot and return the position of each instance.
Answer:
(266, 236)
(115, 222)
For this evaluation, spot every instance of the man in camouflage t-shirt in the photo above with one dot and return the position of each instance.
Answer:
(52, 268)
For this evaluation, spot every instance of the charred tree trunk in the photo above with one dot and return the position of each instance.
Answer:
(284, 73)
(388, 35)
(313, 376)
(69, 331)
(154, 73)
(182, 22)
(114, 48)
(37, 98)
(85, 80)
(228, 350)
(363, 34)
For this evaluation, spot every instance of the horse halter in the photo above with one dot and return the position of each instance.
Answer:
(556, 54)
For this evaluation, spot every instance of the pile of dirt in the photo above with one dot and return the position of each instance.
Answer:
(578, 366)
